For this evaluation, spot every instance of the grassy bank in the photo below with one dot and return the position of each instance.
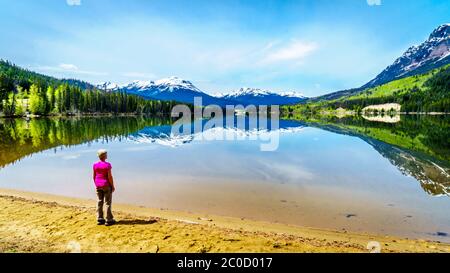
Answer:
(424, 93)
(31, 222)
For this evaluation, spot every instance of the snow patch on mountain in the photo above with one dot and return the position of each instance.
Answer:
(292, 94)
(176, 82)
(432, 53)
(256, 96)
(138, 85)
(108, 86)
(167, 84)
(246, 91)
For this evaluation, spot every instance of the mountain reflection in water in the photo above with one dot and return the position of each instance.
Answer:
(417, 146)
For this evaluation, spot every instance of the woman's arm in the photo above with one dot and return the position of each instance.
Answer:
(93, 174)
(111, 180)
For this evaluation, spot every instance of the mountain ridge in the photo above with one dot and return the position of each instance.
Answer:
(167, 89)
(177, 89)
(417, 59)
(246, 95)
(432, 53)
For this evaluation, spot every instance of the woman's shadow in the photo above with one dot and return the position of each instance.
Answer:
(136, 222)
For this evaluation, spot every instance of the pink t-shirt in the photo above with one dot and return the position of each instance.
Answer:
(101, 169)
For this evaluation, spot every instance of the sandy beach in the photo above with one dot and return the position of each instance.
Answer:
(35, 222)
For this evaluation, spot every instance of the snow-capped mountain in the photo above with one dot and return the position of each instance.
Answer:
(172, 88)
(431, 54)
(170, 84)
(176, 89)
(257, 96)
(108, 86)
(292, 94)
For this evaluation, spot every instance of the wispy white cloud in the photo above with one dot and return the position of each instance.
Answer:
(141, 147)
(374, 2)
(67, 69)
(71, 156)
(71, 67)
(237, 58)
(73, 2)
(288, 172)
(295, 51)
(270, 46)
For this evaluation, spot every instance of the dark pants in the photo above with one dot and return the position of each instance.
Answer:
(104, 195)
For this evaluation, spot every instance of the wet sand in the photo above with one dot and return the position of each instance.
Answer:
(32, 222)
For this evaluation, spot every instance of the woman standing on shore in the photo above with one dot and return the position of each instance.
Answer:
(104, 184)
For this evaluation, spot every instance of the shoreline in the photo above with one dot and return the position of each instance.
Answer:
(323, 113)
(37, 222)
(354, 113)
(87, 115)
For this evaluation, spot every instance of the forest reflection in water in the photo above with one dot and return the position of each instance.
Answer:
(417, 145)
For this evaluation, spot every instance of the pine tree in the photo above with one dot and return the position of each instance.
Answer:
(51, 99)
(37, 104)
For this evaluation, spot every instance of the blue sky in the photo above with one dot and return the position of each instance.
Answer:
(313, 47)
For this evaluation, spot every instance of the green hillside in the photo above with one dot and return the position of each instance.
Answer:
(25, 77)
(428, 92)
(23, 91)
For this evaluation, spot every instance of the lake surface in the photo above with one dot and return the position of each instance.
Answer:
(349, 173)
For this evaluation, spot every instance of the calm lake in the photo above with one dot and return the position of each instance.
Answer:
(348, 173)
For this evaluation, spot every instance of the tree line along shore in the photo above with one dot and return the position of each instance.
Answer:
(25, 93)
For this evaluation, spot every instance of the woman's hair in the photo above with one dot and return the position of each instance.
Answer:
(101, 153)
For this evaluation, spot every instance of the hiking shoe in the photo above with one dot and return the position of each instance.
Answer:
(110, 223)
(101, 221)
